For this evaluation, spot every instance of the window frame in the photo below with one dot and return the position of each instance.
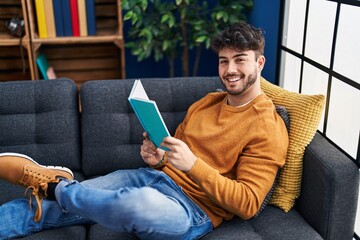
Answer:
(328, 70)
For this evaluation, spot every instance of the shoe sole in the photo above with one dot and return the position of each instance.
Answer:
(59, 168)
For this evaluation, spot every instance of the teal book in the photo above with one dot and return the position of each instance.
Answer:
(43, 65)
(148, 114)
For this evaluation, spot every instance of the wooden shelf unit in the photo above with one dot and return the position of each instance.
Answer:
(15, 53)
(79, 58)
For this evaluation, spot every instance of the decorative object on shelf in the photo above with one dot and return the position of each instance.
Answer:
(15, 26)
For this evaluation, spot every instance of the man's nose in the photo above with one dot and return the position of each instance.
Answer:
(231, 67)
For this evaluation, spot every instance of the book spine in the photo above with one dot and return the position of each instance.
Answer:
(40, 14)
(65, 7)
(91, 17)
(74, 17)
(50, 20)
(82, 18)
(58, 15)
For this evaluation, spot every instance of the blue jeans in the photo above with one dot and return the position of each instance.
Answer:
(144, 201)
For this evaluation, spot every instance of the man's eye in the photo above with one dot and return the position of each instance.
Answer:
(222, 62)
(239, 60)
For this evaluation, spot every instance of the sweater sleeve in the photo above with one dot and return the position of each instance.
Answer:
(255, 173)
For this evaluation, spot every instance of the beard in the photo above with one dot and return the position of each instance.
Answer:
(248, 81)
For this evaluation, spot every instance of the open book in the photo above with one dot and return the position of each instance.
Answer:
(148, 114)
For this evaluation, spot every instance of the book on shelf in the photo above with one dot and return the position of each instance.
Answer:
(41, 19)
(148, 114)
(74, 12)
(65, 7)
(58, 17)
(82, 18)
(90, 17)
(46, 71)
(49, 17)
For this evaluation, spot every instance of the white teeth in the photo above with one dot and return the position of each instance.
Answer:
(233, 79)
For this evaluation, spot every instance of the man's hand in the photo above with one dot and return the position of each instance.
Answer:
(149, 152)
(180, 156)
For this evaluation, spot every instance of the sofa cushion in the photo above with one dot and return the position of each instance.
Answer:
(233, 229)
(40, 119)
(97, 231)
(285, 117)
(66, 233)
(272, 223)
(305, 112)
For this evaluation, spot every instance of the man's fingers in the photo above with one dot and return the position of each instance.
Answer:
(170, 142)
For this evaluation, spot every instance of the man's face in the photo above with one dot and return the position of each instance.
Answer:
(238, 71)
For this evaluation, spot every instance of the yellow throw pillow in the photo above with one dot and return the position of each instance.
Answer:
(305, 113)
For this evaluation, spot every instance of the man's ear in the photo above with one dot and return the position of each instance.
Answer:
(261, 62)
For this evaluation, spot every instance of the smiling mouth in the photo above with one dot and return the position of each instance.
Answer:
(233, 79)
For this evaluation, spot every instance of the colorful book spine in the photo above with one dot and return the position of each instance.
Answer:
(41, 20)
(50, 20)
(58, 16)
(91, 17)
(74, 17)
(82, 18)
(65, 7)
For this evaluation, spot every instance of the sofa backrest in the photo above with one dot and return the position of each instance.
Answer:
(40, 119)
(111, 133)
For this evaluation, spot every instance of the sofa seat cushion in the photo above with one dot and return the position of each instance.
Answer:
(97, 231)
(234, 229)
(272, 223)
(66, 233)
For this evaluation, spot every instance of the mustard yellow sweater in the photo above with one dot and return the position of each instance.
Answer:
(239, 150)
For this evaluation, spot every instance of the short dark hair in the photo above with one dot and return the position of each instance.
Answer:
(241, 37)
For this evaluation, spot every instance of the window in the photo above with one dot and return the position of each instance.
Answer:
(319, 54)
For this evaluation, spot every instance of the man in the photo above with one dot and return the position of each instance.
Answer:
(221, 162)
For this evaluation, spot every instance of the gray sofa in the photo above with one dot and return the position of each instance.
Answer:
(43, 119)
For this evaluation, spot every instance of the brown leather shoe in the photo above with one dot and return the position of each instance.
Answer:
(22, 170)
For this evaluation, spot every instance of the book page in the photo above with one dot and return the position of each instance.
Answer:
(138, 91)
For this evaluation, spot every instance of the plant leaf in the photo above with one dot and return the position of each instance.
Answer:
(200, 39)
(128, 15)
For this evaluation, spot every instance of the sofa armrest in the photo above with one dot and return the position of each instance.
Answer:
(330, 188)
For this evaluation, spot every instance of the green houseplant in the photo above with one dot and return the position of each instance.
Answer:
(171, 28)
